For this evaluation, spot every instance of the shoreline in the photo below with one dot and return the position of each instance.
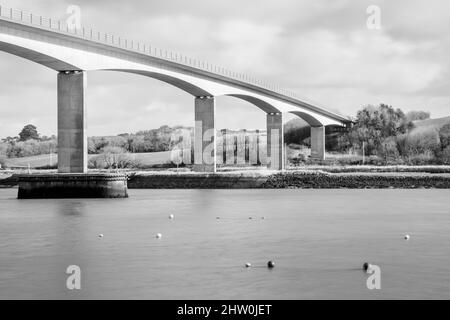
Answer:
(310, 178)
(291, 180)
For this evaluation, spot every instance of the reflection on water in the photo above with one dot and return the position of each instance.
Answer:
(319, 240)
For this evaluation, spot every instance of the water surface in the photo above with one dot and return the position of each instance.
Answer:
(319, 240)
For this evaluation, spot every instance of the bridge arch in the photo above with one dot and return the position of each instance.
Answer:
(311, 120)
(261, 104)
(38, 57)
(177, 82)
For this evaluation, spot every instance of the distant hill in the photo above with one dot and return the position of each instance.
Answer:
(432, 123)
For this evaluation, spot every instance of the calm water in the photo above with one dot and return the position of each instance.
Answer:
(318, 238)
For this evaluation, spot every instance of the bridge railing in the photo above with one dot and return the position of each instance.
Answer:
(61, 26)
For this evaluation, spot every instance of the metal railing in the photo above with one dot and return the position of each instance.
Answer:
(91, 34)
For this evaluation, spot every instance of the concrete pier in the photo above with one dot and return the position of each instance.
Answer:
(47, 186)
(318, 143)
(72, 138)
(275, 141)
(205, 135)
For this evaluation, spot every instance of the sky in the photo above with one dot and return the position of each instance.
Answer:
(321, 49)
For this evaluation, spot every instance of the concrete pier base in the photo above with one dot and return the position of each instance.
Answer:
(51, 186)
(72, 138)
(205, 135)
(275, 141)
(318, 143)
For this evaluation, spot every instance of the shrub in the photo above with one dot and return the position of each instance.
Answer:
(113, 158)
(388, 150)
(445, 156)
(444, 136)
(30, 148)
(422, 141)
(2, 162)
(426, 157)
(3, 149)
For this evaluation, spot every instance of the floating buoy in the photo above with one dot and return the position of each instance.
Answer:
(263, 218)
(171, 216)
(250, 218)
(158, 236)
(270, 264)
(248, 265)
(100, 235)
(366, 266)
(217, 218)
(407, 237)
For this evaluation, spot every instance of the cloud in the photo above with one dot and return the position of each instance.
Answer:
(320, 49)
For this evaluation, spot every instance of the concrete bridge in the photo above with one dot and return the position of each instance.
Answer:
(73, 52)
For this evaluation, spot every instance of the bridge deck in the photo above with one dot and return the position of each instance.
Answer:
(166, 57)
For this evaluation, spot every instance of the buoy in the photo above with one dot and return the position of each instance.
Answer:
(171, 216)
(263, 218)
(270, 264)
(100, 235)
(158, 236)
(406, 236)
(250, 218)
(217, 218)
(248, 265)
(366, 266)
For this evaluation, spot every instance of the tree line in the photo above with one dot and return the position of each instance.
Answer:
(382, 132)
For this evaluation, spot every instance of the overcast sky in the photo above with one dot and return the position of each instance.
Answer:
(321, 49)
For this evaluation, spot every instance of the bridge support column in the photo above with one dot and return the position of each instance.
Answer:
(72, 139)
(275, 141)
(318, 143)
(205, 135)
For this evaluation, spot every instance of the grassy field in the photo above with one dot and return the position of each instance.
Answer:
(434, 123)
(147, 159)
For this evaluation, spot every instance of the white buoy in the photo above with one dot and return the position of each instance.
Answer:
(171, 216)
(100, 235)
(407, 236)
(248, 265)
(158, 236)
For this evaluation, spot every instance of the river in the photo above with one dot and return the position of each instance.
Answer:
(318, 239)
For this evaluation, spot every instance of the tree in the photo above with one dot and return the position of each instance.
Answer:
(417, 115)
(3, 149)
(444, 136)
(29, 132)
(388, 149)
(374, 124)
(423, 140)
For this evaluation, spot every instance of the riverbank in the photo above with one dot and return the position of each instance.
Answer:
(323, 178)
(288, 179)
